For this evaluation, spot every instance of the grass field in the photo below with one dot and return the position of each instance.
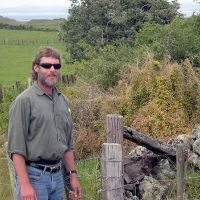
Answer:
(16, 59)
(50, 24)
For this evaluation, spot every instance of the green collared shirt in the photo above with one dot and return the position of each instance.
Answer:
(40, 126)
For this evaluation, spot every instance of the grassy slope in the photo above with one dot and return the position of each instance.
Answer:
(37, 23)
(5, 20)
(50, 24)
(16, 59)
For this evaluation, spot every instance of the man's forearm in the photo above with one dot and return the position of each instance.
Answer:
(20, 167)
(27, 190)
(69, 161)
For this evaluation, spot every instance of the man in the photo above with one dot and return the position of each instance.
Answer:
(40, 134)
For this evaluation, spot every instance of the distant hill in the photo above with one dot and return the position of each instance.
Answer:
(53, 24)
(5, 20)
(40, 24)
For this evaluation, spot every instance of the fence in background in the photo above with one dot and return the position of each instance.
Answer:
(66, 80)
(107, 183)
(88, 174)
(29, 42)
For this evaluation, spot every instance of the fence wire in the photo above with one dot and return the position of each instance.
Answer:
(90, 178)
(88, 174)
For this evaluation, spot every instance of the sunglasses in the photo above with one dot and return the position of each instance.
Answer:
(49, 65)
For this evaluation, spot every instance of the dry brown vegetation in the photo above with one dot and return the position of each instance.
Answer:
(159, 100)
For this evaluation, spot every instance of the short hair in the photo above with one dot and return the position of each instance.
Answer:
(44, 52)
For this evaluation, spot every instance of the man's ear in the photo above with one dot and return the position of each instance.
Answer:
(36, 67)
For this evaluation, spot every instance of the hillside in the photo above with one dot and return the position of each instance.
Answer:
(5, 20)
(36, 24)
(44, 23)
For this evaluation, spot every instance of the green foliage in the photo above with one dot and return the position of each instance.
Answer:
(161, 100)
(179, 40)
(103, 22)
(9, 95)
(106, 69)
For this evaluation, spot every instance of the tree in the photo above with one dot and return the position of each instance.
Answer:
(102, 22)
(179, 39)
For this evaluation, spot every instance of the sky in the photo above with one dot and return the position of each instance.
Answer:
(51, 9)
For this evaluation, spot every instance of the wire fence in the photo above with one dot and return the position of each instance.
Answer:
(165, 175)
(90, 178)
(29, 42)
(88, 174)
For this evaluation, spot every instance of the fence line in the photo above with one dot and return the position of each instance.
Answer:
(84, 172)
(66, 80)
(112, 174)
(29, 42)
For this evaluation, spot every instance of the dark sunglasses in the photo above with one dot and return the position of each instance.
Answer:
(49, 65)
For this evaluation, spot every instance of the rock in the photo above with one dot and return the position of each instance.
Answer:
(130, 196)
(196, 133)
(194, 160)
(186, 140)
(164, 171)
(196, 146)
(139, 151)
(152, 189)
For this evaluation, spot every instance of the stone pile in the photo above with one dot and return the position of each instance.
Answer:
(160, 181)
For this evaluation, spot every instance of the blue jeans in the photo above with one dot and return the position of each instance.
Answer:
(48, 186)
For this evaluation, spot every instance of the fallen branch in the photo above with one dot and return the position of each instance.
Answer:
(151, 144)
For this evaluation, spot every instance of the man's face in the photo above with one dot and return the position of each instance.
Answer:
(48, 76)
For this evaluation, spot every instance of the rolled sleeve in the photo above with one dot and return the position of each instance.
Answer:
(18, 127)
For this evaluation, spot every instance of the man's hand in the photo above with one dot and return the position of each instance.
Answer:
(76, 188)
(28, 192)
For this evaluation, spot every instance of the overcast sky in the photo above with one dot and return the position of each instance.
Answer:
(51, 9)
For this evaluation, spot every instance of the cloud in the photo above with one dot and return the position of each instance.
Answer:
(26, 9)
(30, 3)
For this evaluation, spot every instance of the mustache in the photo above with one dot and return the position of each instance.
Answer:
(53, 74)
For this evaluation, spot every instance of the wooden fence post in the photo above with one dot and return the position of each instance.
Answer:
(111, 160)
(12, 173)
(18, 85)
(112, 172)
(114, 128)
(1, 94)
(180, 163)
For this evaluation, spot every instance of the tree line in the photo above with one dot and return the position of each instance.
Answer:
(24, 27)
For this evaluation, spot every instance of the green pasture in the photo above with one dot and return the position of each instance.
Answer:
(17, 49)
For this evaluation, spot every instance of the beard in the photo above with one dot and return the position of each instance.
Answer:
(49, 80)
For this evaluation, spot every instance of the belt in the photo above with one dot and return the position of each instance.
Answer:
(47, 168)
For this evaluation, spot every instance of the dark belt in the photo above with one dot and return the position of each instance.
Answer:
(51, 169)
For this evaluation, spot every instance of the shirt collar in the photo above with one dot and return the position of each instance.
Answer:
(39, 91)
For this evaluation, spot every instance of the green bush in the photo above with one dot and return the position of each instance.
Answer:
(179, 39)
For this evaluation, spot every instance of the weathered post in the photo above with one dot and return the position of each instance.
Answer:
(114, 129)
(111, 160)
(18, 85)
(180, 163)
(12, 173)
(1, 94)
(112, 172)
